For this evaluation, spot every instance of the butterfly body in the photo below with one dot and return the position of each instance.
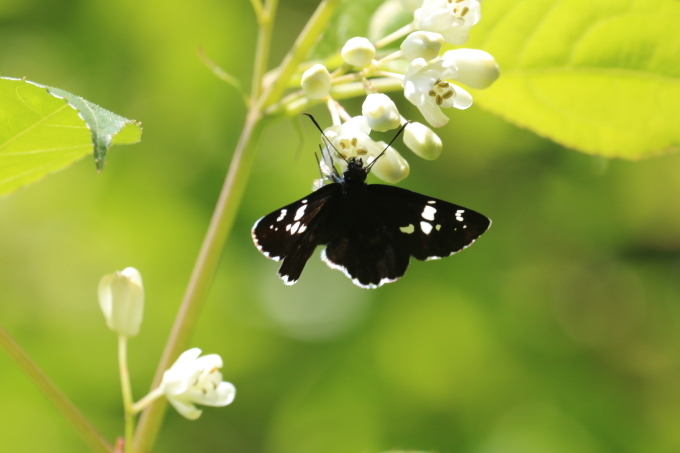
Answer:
(370, 230)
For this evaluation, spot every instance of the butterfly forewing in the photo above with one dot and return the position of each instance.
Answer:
(291, 234)
(430, 228)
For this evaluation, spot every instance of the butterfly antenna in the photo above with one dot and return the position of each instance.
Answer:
(318, 162)
(401, 129)
(327, 140)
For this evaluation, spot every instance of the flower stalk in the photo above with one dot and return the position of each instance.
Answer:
(126, 390)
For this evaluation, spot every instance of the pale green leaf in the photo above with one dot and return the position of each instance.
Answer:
(600, 77)
(43, 130)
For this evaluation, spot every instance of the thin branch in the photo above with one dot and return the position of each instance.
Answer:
(87, 432)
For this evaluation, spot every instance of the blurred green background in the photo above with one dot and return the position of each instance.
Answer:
(559, 331)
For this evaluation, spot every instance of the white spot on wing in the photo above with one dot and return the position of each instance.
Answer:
(282, 214)
(286, 280)
(296, 225)
(428, 213)
(407, 229)
(426, 227)
(437, 227)
(300, 212)
(431, 202)
(288, 227)
(459, 214)
(302, 228)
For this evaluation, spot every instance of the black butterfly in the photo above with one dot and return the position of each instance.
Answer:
(370, 230)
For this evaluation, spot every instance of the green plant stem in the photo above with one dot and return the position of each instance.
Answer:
(203, 272)
(127, 392)
(264, 38)
(303, 44)
(257, 7)
(296, 105)
(227, 205)
(87, 432)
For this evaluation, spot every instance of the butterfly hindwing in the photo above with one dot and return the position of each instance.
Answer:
(291, 234)
(430, 228)
(368, 253)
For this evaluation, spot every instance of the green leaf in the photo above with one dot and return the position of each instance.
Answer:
(600, 77)
(43, 130)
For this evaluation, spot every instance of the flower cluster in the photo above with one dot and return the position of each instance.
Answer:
(426, 75)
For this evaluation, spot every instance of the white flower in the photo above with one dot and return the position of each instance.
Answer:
(422, 140)
(380, 112)
(351, 139)
(196, 380)
(316, 82)
(358, 52)
(453, 19)
(422, 44)
(391, 166)
(426, 87)
(121, 298)
(476, 68)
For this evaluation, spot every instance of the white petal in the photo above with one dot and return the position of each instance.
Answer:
(186, 357)
(187, 410)
(462, 99)
(221, 396)
(104, 293)
(176, 379)
(433, 114)
(208, 362)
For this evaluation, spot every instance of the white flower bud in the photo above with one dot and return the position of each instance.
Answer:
(476, 68)
(422, 44)
(121, 298)
(358, 52)
(391, 166)
(380, 112)
(316, 82)
(422, 140)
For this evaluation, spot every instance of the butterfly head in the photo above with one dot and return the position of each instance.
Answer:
(355, 170)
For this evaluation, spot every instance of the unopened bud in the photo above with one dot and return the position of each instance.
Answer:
(391, 166)
(316, 82)
(422, 44)
(358, 52)
(380, 112)
(476, 68)
(121, 298)
(422, 140)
